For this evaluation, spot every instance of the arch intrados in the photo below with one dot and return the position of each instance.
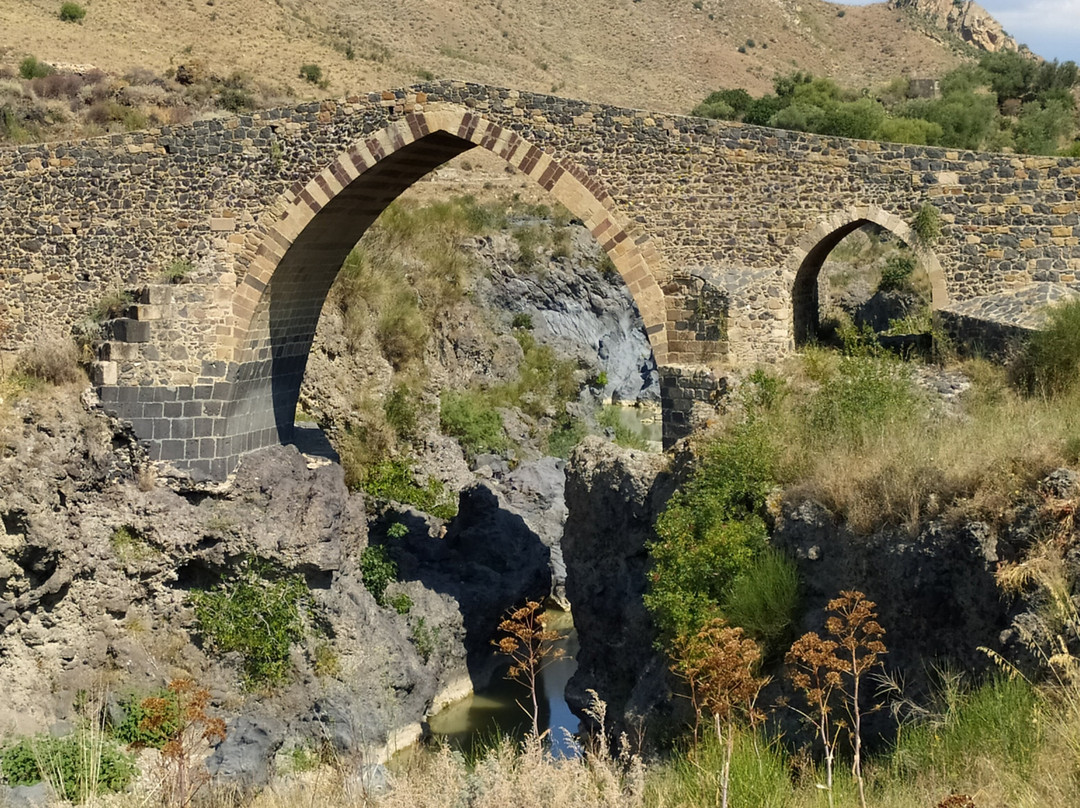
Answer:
(405, 140)
(815, 246)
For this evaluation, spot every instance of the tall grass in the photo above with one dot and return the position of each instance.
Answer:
(856, 435)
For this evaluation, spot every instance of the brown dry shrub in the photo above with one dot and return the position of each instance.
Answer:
(51, 359)
(58, 85)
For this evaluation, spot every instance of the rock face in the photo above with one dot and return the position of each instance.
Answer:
(613, 497)
(935, 591)
(579, 309)
(97, 559)
(969, 21)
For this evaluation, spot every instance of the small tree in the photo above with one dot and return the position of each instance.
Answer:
(718, 665)
(531, 647)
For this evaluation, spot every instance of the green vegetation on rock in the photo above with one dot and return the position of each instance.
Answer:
(258, 613)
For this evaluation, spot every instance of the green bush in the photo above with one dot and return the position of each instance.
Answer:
(378, 571)
(475, 424)
(72, 12)
(68, 764)
(259, 614)
(177, 271)
(710, 532)
(927, 224)
(897, 273)
(401, 603)
(425, 638)
(31, 68)
(1049, 361)
(311, 73)
(393, 480)
(764, 600)
(137, 732)
(522, 320)
(866, 397)
(400, 411)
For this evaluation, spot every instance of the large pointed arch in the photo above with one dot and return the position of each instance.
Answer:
(302, 244)
(810, 254)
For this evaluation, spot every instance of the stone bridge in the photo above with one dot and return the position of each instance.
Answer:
(718, 229)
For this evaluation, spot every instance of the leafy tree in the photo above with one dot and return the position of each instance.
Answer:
(762, 110)
(857, 119)
(1043, 127)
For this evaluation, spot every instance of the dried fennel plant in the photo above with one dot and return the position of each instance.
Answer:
(530, 645)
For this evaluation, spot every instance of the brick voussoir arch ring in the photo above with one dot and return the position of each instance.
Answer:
(634, 256)
(806, 259)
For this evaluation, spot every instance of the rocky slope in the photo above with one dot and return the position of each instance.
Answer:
(967, 20)
(98, 562)
(661, 54)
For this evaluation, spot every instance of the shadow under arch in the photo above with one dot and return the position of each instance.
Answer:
(815, 247)
(277, 304)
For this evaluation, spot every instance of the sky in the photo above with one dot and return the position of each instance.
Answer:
(1051, 28)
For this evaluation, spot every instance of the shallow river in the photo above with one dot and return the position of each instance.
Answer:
(494, 711)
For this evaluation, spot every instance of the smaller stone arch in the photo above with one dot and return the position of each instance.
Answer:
(809, 256)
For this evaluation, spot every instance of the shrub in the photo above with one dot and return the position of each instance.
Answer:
(149, 720)
(400, 411)
(393, 480)
(424, 637)
(400, 330)
(77, 766)
(711, 532)
(401, 603)
(378, 571)
(235, 99)
(522, 320)
(31, 68)
(474, 423)
(927, 224)
(258, 614)
(110, 307)
(1050, 359)
(311, 73)
(177, 271)
(764, 599)
(897, 273)
(51, 359)
(72, 12)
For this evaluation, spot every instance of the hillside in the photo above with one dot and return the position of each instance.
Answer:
(659, 54)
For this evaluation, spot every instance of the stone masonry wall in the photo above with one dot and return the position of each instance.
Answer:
(78, 220)
(709, 223)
